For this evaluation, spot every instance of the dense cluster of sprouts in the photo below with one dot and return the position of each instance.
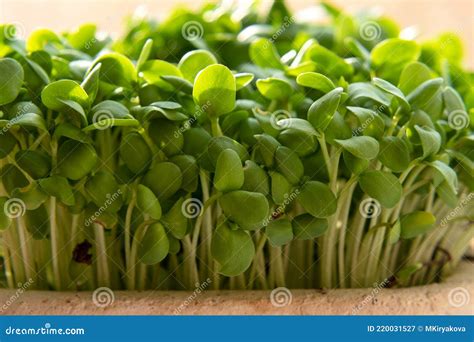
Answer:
(234, 146)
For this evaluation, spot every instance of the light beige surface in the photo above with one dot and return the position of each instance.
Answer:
(454, 297)
(430, 16)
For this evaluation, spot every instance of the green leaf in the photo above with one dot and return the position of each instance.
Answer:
(289, 164)
(361, 92)
(307, 227)
(218, 144)
(135, 153)
(394, 51)
(381, 185)
(70, 131)
(164, 179)
(426, 95)
(154, 246)
(416, 223)
(57, 186)
(153, 70)
(430, 140)
(299, 141)
(116, 70)
(394, 233)
(179, 84)
(36, 163)
(265, 148)
(297, 124)
(33, 196)
(413, 75)
(447, 173)
(391, 89)
(279, 232)
(394, 153)
(274, 88)
(361, 146)
(248, 210)
(354, 164)
(304, 67)
(264, 54)
(175, 219)
(164, 135)
(280, 187)
(317, 199)
(322, 110)
(328, 62)
(39, 38)
(315, 81)
(11, 80)
(214, 90)
(371, 123)
(28, 120)
(194, 61)
(233, 249)
(104, 191)
(37, 223)
(148, 203)
(12, 178)
(76, 160)
(54, 92)
(108, 114)
(255, 178)
(7, 143)
(243, 79)
(144, 54)
(229, 171)
(189, 170)
(452, 100)
(75, 111)
(91, 83)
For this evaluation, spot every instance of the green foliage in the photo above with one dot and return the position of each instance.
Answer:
(256, 147)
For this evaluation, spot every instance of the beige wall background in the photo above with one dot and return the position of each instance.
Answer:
(429, 16)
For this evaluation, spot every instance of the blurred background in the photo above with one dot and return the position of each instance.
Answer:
(428, 16)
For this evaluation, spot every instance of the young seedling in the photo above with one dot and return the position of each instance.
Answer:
(260, 153)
